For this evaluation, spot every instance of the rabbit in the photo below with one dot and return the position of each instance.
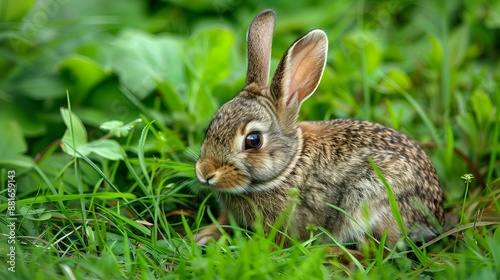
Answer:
(255, 153)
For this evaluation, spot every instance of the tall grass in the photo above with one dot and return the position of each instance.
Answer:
(123, 203)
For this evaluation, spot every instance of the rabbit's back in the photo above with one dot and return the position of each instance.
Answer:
(337, 171)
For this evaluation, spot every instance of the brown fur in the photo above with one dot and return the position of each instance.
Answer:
(326, 161)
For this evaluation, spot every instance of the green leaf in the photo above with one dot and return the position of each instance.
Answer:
(29, 122)
(17, 160)
(41, 217)
(466, 122)
(171, 97)
(357, 41)
(117, 128)
(494, 242)
(116, 243)
(208, 55)
(106, 102)
(34, 214)
(12, 142)
(85, 72)
(202, 5)
(42, 87)
(75, 136)
(492, 18)
(114, 127)
(482, 106)
(141, 59)
(208, 60)
(106, 148)
(395, 119)
(14, 11)
(459, 42)
(435, 57)
(395, 81)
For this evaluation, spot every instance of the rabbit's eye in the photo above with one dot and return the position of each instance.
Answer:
(253, 141)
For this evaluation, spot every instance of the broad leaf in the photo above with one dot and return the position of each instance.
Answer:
(459, 42)
(30, 124)
(208, 55)
(12, 142)
(141, 59)
(395, 81)
(42, 87)
(118, 128)
(482, 106)
(435, 57)
(14, 11)
(368, 42)
(171, 97)
(466, 122)
(106, 148)
(75, 136)
(85, 72)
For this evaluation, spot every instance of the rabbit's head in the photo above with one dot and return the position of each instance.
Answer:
(252, 139)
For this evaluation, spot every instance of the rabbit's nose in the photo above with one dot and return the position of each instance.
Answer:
(206, 173)
(209, 181)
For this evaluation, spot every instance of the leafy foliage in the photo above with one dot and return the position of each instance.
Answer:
(103, 105)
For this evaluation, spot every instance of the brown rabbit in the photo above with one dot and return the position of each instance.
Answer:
(255, 152)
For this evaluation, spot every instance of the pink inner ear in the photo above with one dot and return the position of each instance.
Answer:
(291, 97)
(305, 64)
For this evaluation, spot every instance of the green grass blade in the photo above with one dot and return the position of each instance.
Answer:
(67, 197)
(392, 198)
(140, 151)
(130, 222)
(433, 130)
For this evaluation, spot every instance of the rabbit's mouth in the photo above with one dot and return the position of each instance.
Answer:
(224, 178)
(206, 173)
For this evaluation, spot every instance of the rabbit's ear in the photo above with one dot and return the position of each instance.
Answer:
(299, 71)
(259, 40)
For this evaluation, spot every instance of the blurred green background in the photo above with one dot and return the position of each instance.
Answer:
(177, 61)
(428, 68)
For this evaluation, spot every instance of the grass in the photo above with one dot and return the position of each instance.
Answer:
(119, 200)
(118, 235)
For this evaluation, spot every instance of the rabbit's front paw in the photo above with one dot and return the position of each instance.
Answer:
(203, 237)
(212, 231)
